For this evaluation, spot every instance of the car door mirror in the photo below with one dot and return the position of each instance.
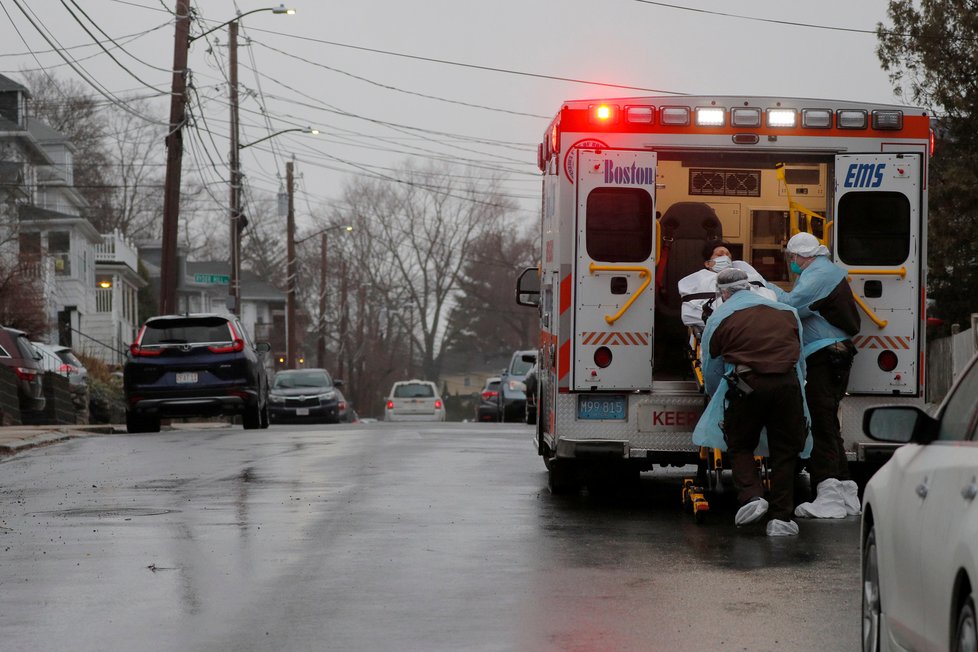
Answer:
(528, 287)
(899, 424)
(263, 347)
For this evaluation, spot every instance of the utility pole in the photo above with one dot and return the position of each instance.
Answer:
(321, 339)
(174, 160)
(290, 271)
(234, 287)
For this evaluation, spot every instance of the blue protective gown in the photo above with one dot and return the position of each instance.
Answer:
(707, 431)
(814, 283)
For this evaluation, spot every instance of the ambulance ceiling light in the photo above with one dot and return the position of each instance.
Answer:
(888, 120)
(555, 139)
(709, 116)
(781, 118)
(677, 116)
(851, 119)
(749, 117)
(816, 118)
(603, 114)
(640, 114)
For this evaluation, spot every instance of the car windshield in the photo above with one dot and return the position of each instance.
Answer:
(414, 390)
(292, 379)
(520, 367)
(186, 331)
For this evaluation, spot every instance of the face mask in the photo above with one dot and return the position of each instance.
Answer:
(794, 267)
(721, 263)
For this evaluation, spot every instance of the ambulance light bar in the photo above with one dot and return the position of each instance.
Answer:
(786, 118)
(640, 114)
(745, 117)
(816, 118)
(889, 120)
(851, 119)
(710, 117)
(603, 114)
(675, 116)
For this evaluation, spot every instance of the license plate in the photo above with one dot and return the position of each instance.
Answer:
(302, 412)
(601, 407)
(186, 377)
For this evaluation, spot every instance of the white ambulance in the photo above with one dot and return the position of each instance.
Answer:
(635, 188)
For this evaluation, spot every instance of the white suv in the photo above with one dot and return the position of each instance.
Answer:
(414, 400)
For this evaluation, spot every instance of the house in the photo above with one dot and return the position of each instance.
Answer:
(88, 281)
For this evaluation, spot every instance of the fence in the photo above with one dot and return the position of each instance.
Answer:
(947, 357)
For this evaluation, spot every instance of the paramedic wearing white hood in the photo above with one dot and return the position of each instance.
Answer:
(752, 368)
(829, 317)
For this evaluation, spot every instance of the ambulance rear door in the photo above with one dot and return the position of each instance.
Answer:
(614, 285)
(877, 239)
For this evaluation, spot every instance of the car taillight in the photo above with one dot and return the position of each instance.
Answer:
(390, 405)
(235, 346)
(488, 394)
(67, 369)
(138, 351)
(437, 404)
(341, 405)
(26, 373)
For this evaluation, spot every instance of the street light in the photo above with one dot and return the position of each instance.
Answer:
(174, 142)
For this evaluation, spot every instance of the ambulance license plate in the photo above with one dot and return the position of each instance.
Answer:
(601, 407)
(186, 377)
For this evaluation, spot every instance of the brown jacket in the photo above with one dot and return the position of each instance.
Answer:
(763, 338)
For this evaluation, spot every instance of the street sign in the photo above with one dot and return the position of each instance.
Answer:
(212, 279)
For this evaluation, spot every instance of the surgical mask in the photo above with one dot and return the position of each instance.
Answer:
(794, 268)
(721, 263)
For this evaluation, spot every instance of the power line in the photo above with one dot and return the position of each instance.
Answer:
(760, 20)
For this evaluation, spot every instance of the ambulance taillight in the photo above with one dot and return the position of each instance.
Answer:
(887, 360)
(602, 356)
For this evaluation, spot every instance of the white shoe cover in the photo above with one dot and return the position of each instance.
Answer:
(829, 502)
(850, 496)
(779, 528)
(750, 512)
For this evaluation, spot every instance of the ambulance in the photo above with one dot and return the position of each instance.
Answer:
(635, 188)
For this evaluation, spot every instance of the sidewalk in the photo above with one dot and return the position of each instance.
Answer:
(14, 439)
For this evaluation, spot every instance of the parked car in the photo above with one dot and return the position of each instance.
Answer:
(488, 407)
(194, 365)
(309, 395)
(920, 526)
(62, 360)
(17, 352)
(414, 400)
(512, 391)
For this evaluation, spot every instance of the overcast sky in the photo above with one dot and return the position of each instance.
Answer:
(436, 80)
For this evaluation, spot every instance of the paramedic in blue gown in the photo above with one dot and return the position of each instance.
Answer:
(829, 318)
(752, 367)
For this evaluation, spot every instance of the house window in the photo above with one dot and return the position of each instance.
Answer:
(59, 246)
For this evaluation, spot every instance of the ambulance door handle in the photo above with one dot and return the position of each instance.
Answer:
(643, 272)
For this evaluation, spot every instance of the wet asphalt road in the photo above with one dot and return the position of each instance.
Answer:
(390, 537)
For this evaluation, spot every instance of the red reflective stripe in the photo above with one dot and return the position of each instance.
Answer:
(565, 293)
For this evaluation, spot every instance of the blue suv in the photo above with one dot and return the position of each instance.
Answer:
(194, 365)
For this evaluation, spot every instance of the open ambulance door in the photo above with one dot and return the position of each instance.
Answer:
(877, 239)
(614, 285)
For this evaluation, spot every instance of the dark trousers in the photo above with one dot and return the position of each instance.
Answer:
(827, 377)
(775, 403)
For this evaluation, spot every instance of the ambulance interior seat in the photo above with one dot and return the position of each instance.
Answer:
(686, 228)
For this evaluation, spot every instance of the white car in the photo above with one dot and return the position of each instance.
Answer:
(920, 526)
(414, 400)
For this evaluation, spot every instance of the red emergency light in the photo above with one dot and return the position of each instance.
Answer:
(603, 114)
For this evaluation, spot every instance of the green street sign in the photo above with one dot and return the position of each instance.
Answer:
(212, 279)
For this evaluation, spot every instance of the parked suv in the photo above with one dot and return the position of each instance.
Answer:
(61, 360)
(17, 352)
(488, 408)
(194, 365)
(512, 391)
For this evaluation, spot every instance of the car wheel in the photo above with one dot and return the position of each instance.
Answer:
(562, 477)
(871, 595)
(966, 638)
(265, 419)
(252, 417)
